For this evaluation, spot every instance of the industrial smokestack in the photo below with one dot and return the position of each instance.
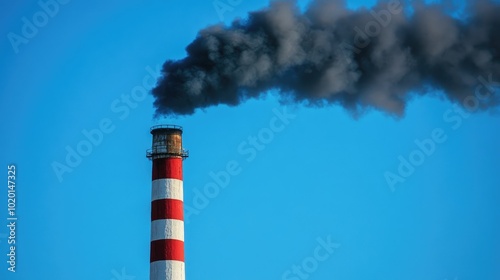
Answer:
(328, 54)
(167, 216)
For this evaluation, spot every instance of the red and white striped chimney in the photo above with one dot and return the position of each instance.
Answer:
(167, 213)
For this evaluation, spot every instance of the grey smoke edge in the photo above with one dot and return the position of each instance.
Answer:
(331, 55)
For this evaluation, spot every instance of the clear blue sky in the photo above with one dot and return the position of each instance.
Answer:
(320, 177)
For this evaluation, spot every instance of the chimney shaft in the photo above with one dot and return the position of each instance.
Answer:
(167, 214)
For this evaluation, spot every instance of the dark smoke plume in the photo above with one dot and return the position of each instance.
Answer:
(328, 54)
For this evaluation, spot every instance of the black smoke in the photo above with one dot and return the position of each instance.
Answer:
(367, 58)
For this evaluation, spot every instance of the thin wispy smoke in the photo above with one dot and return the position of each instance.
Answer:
(327, 54)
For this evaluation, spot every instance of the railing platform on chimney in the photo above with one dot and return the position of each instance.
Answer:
(162, 151)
